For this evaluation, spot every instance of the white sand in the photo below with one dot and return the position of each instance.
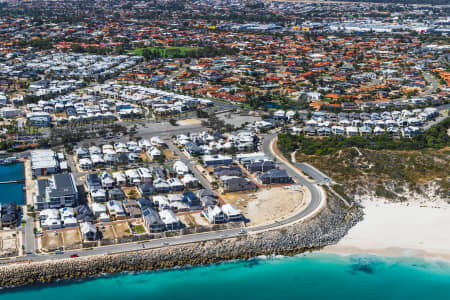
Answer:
(398, 229)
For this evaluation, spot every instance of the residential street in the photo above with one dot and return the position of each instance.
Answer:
(317, 200)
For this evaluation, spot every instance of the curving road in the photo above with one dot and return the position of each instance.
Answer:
(317, 200)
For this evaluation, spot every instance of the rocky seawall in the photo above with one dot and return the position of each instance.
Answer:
(328, 227)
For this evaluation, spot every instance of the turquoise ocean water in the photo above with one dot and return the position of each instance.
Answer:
(11, 192)
(314, 276)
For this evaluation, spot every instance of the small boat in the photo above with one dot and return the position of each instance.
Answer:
(10, 160)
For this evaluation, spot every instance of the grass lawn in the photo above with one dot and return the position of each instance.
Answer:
(166, 51)
(139, 229)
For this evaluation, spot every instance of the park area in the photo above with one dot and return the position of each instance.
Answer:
(169, 52)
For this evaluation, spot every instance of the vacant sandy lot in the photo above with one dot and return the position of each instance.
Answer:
(193, 220)
(51, 240)
(71, 237)
(8, 242)
(266, 205)
(238, 120)
(168, 154)
(189, 122)
(107, 233)
(128, 192)
(122, 229)
(144, 157)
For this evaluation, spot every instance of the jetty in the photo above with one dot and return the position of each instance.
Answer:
(13, 181)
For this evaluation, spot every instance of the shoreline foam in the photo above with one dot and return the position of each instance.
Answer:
(328, 227)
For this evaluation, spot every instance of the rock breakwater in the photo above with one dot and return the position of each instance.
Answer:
(328, 227)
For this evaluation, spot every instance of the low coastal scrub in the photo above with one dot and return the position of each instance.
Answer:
(385, 173)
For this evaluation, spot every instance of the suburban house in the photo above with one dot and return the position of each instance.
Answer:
(98, 195)
(231, 213)
(190, 181)
(236, 184)
(175, 184)
(89, 231)
(58, 191)
(216, 160)
(227, 171)
(259, 166)
(132, 208)
(207, 197)
(171, 222)
(214, 214)
(84, 213)
(146, 189)
(274, 176)
(50, 219)
(107, 180)
(93, 182)
(116, 194)
(191, 199)
(152, 220)
(9, 215)
(115, 209)
(180, 168)
(120, 178)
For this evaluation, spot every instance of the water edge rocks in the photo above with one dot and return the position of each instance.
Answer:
(328, 227)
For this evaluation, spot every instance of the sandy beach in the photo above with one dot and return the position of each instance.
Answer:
(416, 228)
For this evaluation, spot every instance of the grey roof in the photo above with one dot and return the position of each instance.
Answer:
(64, 185)
(151, 216)
(275, 173)
(42, 185)
(205, 192)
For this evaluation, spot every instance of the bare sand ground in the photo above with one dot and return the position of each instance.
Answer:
(416, 228)
(189, 122)
(267, 205)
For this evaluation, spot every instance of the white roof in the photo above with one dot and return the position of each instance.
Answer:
(43, 158)
(98, 207)
(214, 211)
(251, 156)
(180, 166)
(118, 176)
(189, 178)
(98, 193)
(50, 213)
(87, 227)
(230, 210)
(168, 217)
(115, 206)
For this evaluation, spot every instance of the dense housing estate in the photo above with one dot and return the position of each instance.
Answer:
(143, 120)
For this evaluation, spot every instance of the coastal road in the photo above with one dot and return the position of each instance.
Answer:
(313, 173)
(443, 113)
(317, 200)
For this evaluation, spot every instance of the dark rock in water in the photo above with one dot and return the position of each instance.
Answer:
(364, 268)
